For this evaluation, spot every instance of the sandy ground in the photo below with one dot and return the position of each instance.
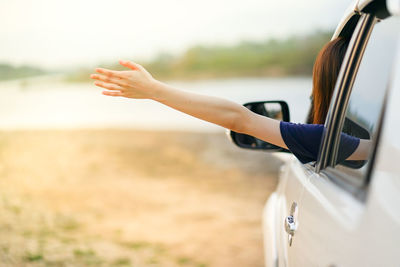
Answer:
(131, 198)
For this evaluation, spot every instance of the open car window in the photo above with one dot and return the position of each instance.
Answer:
(367, 98)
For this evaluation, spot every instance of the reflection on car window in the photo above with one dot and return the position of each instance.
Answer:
(367, 96)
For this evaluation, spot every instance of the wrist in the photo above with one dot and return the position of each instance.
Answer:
(157, 90)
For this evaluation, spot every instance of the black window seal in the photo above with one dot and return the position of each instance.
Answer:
(370, 21)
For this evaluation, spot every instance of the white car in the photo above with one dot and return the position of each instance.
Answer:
(328, 214)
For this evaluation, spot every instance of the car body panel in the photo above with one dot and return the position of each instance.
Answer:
(390, 142)
(289, 190)
(326, 212)
(393, 7)
(351, 11)
(270, 214)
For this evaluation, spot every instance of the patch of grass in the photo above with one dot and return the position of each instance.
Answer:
(67, 240)
(32, 257)
(84, 253)
(27, 233)
(88, 257)
(4, 249)
(118, 232)
(136, 245)
(152, 260)
(15, 209)
(45, 232)
(122, 262)
(183, 261)
(56, 263)
(159, 249)
(67, 223)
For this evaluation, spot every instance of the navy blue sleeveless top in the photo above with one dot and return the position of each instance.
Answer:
(303, 140)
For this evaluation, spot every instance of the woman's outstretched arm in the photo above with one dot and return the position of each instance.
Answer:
(138, 83)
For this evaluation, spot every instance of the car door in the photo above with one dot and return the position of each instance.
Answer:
(333, 207)
(285, 202)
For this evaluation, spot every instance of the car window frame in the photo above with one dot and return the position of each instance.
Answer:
(337, 110)
(344, 84)
(357, 187)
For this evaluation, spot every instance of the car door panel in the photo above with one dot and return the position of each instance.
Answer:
(290, 190)
(328, 224)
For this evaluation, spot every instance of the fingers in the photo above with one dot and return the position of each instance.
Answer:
(109, 86)
(116, 90)
(109, 73)
(115, 93)
(114, 80)
(131, 65)
(107, 79)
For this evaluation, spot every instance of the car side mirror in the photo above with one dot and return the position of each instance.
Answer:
(278, 110)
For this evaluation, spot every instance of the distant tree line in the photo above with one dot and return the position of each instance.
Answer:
(293, 56)
(9, 72)
(289, 57)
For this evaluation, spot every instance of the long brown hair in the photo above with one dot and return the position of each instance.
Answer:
(325, 72)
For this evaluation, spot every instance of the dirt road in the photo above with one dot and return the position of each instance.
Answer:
(131, 198)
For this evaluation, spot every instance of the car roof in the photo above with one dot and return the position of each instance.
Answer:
(352, 14)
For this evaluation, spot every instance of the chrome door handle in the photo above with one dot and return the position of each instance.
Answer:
(291, 222)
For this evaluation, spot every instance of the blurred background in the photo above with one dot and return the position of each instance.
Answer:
(89, 180)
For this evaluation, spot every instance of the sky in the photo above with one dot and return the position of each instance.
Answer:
(68, 33)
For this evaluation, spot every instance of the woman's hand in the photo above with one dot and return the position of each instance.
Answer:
(135, 83)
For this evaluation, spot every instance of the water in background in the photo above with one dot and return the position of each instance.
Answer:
(60, 105)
